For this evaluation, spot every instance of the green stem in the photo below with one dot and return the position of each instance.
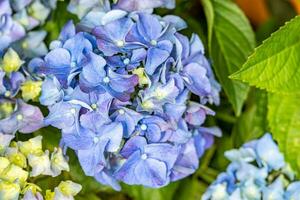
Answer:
(226, 117)
(207, 178)
(207, 157)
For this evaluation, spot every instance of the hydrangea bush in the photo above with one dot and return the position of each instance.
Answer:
(123, 97)
(257, 171)
(120, 91)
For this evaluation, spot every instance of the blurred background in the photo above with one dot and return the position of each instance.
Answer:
(265, 16)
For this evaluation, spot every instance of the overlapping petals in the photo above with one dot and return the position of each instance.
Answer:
(257, 171)
(18, 19)
(119, 86)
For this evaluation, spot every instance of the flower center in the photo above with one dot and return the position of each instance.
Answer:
(251, 191)
(120, 43)
(121, 112)
(96, 140)
(144, 127)
(106, 79)
(19, 117)
(94, 106)
(7, 93)
(126, 61)
(153, 42)
(160, 94)
(56, 161)
(18, 158)
(147, 104)
(73, 110)
(144, 156)
(24, 45)
(73, 64)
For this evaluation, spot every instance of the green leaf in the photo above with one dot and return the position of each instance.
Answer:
(284, 121)
(58, 19)
(253, 122)
(219, 162)
(190, 189)
(274, 66)
(90, 196)
(143, 193)
(231, 40)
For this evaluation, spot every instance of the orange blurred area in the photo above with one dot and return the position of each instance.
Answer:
(296, 4)
(256, 10)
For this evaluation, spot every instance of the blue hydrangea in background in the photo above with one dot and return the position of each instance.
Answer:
(21, 38)
(119, 86)
(18, 18)
(257, 171)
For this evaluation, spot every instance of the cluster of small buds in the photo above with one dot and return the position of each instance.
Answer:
(21, 160)
(17, 86)
(257, 171)
(119, 87)
(18, 19)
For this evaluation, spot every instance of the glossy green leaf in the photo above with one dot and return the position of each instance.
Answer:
(284, 121)
(274, 66)
(231, 40)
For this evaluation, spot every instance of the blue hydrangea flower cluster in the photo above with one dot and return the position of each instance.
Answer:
(17, 18)
(257, 171)
(119, 87)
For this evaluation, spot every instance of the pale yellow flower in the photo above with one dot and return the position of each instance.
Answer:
(11, 61)
(31, 90)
